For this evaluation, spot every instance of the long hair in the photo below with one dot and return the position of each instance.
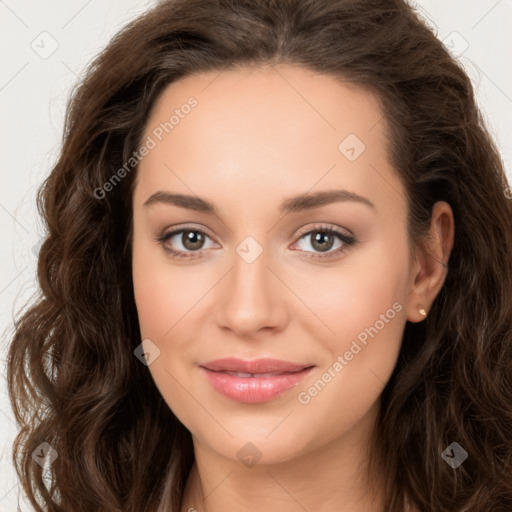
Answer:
(74, 381)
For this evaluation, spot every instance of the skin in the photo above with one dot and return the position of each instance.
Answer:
(258, 136)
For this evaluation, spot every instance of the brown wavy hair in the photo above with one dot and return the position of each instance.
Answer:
(74, 381)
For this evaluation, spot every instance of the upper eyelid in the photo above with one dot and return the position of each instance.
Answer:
(176, 230)
(325, 227)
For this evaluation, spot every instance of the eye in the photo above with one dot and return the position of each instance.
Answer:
(323, 239)
(190, 239)
(192, 242)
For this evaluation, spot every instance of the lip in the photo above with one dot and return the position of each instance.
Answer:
(271, 378)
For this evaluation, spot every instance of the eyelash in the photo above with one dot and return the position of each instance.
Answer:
(346, 239)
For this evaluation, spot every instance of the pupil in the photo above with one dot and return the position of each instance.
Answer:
(193, 238)
(317, 240)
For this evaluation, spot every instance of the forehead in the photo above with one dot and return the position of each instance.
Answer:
(264, 128)
(281, 100)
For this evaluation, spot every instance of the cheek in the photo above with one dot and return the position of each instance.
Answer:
(162, 300)
(158, 292)
(168, 299)
(148, 290)
(363, 306)
(369, 287)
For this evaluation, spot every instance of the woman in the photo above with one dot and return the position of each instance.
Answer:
(337, 334)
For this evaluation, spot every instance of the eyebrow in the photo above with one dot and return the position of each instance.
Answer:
(301, 202)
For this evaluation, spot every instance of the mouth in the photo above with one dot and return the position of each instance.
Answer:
(254, 367)
(254, 381)
(256, 375)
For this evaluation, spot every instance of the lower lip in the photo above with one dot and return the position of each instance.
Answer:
(253, 390)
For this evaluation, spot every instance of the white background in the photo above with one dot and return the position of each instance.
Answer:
(33, 95)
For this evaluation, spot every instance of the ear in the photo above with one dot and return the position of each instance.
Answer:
(429, 269)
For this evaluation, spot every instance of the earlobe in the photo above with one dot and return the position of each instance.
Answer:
(430, 270)
(417, 315)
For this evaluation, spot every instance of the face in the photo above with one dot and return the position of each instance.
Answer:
(241, 270)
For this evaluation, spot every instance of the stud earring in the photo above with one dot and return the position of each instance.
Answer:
(422, 311)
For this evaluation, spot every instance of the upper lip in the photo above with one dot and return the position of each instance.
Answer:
(265, 365)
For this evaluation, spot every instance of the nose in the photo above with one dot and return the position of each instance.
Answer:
(252, 298)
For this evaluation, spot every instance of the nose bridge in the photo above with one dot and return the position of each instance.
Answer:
(250, 279)
(250, 299)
